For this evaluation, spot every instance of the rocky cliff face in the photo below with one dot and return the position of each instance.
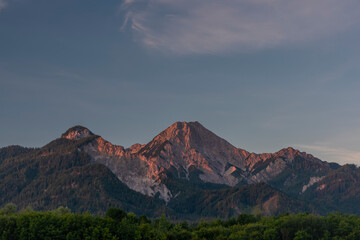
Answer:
(189, 146)
(131, 168)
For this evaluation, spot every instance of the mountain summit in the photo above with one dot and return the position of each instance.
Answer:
(76, 133)
(189, 145)
(187, 136)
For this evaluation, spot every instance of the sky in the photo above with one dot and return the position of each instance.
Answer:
(262, 74)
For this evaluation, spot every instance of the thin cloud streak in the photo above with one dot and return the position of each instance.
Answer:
(339, 155)
(212, 26)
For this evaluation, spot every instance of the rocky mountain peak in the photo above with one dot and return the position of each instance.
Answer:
(291, 153)
(179, 128)
(288, 152)
(76, 133)
(190, 134)
(188, 145)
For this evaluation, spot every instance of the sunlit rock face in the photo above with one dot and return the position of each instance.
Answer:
(185, 146)
(76, 133)
(128, 166)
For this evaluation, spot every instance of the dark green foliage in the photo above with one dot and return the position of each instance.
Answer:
(115, 213)
(246, 219)
(9, 208)
(63, 225)
(13, 151)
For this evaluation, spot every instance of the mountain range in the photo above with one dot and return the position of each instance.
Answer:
(185, 172)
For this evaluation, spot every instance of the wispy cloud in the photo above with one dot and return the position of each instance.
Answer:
(208, 26)
(3, 4)
(330, 154)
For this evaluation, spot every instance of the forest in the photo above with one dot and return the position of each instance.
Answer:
(117, 224)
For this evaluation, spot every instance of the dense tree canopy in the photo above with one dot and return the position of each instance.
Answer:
(117, 224)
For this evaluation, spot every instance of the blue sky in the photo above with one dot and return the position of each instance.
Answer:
(263, 74)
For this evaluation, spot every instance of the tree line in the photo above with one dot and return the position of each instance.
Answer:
(61, 224)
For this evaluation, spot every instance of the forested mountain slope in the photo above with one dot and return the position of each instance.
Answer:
(186, 172)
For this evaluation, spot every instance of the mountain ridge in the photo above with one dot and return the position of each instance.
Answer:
(185, 171)
(185, 145)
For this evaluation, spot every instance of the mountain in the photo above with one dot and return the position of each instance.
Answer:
(186, 172)
(59, 175)
(198, 154)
